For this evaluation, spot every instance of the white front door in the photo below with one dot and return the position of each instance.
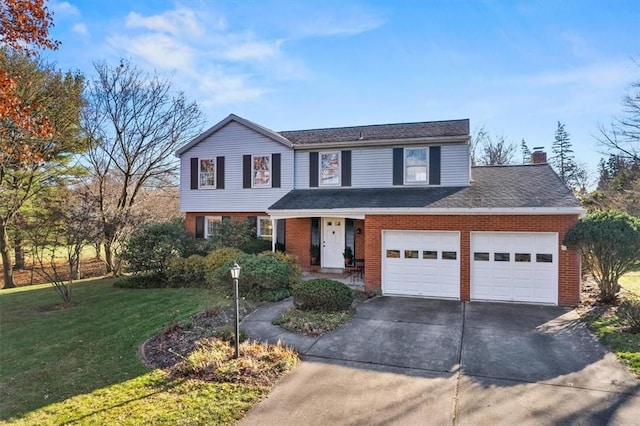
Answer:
(332, 242)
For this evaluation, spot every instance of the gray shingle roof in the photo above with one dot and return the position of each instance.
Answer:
(526, 186)
(379, 132)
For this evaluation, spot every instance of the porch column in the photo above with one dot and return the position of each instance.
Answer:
(274, 234)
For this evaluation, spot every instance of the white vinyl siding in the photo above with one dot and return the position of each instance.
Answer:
(232, 142)
(373, 167)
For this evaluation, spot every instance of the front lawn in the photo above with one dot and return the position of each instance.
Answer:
(625, 345)
(631, 282)
(81, 364)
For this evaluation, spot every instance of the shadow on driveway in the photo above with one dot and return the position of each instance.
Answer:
(408, 360)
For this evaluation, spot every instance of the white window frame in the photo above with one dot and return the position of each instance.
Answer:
(259, 228)
(207, 220)
(253, 171)
(406, 166)
(200, 172)
(338, 171)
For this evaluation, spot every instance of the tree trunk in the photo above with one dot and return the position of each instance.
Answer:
(98, 247)
(108, 257)
(18, 247)
(6, 256)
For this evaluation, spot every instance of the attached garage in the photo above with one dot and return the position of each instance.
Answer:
(421, 263)
(514, 267)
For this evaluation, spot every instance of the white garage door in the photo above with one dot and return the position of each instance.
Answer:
(421, 263)
(514, 267)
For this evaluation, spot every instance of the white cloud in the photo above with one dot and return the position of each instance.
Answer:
(598, 75)
(64, 9)
(342, 25)
(80, 28)
(253, 50)
(176, 22)
(158, 50)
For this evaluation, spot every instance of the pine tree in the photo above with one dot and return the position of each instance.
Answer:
(563, 160)
(526, 152)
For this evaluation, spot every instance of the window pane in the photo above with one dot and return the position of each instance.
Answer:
(330, 168)
(210, 222)
(394, 254)
(449, 255)
(415, 162)
(523, 257)
(264, 227)
(207, 172)
(411, 254)
(544, 258)
(416, 174)
(429, 254)
(501, 257)
(261, 170)
(481, 256)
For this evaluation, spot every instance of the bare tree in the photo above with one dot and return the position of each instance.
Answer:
(496, 151)
(135, 124)
(623, 135)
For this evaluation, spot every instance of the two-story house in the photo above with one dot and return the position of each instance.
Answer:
(404, 197)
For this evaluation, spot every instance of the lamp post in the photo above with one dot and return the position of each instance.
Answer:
(235, 274)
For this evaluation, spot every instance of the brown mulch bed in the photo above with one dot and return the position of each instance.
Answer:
(33, 274)
(179, 339)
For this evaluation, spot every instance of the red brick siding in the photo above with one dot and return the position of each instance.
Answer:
(190, 218)
(359, 224)
(569, 261)
(298, 240)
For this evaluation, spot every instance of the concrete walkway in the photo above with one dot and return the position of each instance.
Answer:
(417, 361)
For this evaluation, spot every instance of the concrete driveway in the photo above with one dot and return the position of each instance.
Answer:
(418, 361)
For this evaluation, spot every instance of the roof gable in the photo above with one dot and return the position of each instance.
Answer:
(232, 117)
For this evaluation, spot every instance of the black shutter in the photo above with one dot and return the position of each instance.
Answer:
(345, 178)
(220, 172)
(199, 226)
(398, 166)
(434, 165)
(253, 222)
(226, 218)
(275, 170)
(313, 169)
(246, 171)
(194, 173)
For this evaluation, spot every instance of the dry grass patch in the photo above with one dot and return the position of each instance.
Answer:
(259, 364)
(312, 323)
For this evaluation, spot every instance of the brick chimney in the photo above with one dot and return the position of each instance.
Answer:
(538, 156)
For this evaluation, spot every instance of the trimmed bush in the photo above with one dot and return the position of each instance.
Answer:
(256, 246)
(263, 272)
(140, 281)
(150, 246)
(264, 295)
(220, 257)
(322, 294)
(295, 272)
(629, 313)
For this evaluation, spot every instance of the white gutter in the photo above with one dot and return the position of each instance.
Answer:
(359, 213)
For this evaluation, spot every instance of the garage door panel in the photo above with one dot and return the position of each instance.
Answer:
(421, 270)
(527, 269)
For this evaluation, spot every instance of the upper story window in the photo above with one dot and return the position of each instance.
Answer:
(207, 173)
(330, 168)
(261, 174)
(415, 165)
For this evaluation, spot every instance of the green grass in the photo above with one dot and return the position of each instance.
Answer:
(631, 282)
(82, 363)
(626, 346)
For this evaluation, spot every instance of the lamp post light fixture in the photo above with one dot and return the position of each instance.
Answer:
(235, 274)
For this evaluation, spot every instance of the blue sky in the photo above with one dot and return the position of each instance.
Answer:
(518, 67)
